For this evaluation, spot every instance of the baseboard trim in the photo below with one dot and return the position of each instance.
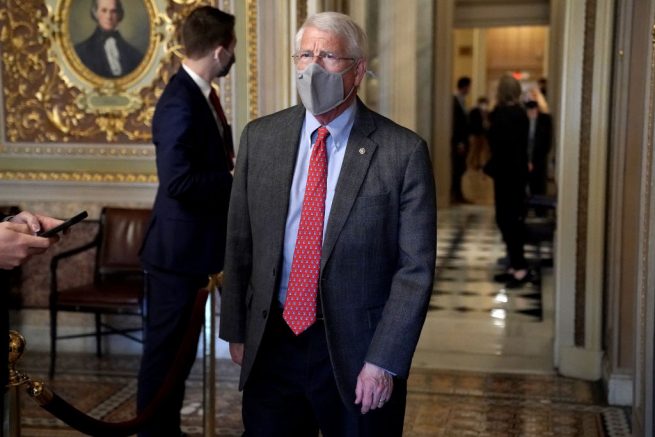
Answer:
(620, 389)
(580, 363)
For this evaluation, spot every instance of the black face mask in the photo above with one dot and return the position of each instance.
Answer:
(226, 68)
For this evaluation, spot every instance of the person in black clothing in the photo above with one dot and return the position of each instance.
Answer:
(543, 86)
(17, 244)
(539, 144)
(106, 52)
(508, 166)
(479, 117)
(477, 188)
(459, 139)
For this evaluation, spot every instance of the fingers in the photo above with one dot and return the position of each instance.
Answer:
(236, 352)
(19, 236)
(17, 244)
(373, 389)
(359, 392)
(36, 222)
(49, 222)
(29, 219)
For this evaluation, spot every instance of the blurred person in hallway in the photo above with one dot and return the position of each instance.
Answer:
(459, 141)
(539, 145)
(477, 187)
(185, 240)
(508, 166)
(543, 86)
(534, 94)
(330, 254)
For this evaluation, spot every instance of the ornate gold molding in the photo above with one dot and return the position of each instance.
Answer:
(51, 96)
(44, 150)
(251, 41)
(301, 12)
(583, 173)
(72, 176)
(645, 258)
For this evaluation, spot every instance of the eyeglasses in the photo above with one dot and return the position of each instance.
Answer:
(328, 59)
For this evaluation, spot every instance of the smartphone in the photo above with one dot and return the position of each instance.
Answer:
(62, 227)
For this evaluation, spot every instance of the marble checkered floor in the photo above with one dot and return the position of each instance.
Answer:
(475, 323)
(468, 249)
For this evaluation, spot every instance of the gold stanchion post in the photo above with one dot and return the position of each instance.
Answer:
(209, 358)
(16, 379)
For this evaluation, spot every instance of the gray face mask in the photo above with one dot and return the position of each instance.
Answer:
(320, 90)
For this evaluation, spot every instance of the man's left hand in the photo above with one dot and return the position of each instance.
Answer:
(36, 222)
(374, 387)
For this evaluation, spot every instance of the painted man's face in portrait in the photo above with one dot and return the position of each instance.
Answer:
(107, 15)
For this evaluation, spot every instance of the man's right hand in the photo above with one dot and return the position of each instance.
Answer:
(236, 352)
(18, 244)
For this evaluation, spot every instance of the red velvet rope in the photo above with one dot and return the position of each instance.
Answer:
(82, 422)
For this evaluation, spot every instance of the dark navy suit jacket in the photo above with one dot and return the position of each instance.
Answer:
(187, 230)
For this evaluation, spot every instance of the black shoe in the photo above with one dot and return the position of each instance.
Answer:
(503, 277)
(518, 283)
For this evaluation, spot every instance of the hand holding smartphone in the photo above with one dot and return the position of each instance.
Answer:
(62, 227)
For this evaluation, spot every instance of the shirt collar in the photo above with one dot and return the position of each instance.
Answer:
(204, 86)
(339, 128)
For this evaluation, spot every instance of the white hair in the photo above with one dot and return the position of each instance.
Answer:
(341, 25)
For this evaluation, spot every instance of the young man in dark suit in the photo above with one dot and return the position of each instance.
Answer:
(186, 237)
(330, 253)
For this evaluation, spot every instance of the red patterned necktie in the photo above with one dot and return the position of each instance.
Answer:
(300, 306)
(225, 128)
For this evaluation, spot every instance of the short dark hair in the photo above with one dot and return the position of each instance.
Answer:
(119, 10)
(205, 28)
(463, 82)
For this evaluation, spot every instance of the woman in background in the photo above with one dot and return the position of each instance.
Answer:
(508, 166)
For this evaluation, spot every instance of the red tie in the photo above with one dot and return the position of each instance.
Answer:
(227, 132)
(300, 306)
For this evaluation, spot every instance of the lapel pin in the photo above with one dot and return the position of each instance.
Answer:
(362, 151)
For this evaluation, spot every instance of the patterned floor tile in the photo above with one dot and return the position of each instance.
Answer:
(439, 403)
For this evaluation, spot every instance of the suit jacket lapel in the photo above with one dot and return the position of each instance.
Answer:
(359, 152)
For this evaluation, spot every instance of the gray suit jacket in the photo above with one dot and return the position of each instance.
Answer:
(378, 254)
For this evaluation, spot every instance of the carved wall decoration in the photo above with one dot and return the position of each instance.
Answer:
(251, 41)
(78, 176)
(51, 95)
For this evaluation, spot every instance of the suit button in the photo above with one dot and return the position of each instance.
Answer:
(264, 314)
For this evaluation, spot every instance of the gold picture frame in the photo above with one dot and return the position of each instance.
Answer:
(101, 94)
(131, 24)
(51, 97)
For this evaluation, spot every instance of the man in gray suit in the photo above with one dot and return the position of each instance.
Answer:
(330, 252)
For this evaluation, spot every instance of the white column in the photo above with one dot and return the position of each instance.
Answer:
(581, 361)
(442, 107)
